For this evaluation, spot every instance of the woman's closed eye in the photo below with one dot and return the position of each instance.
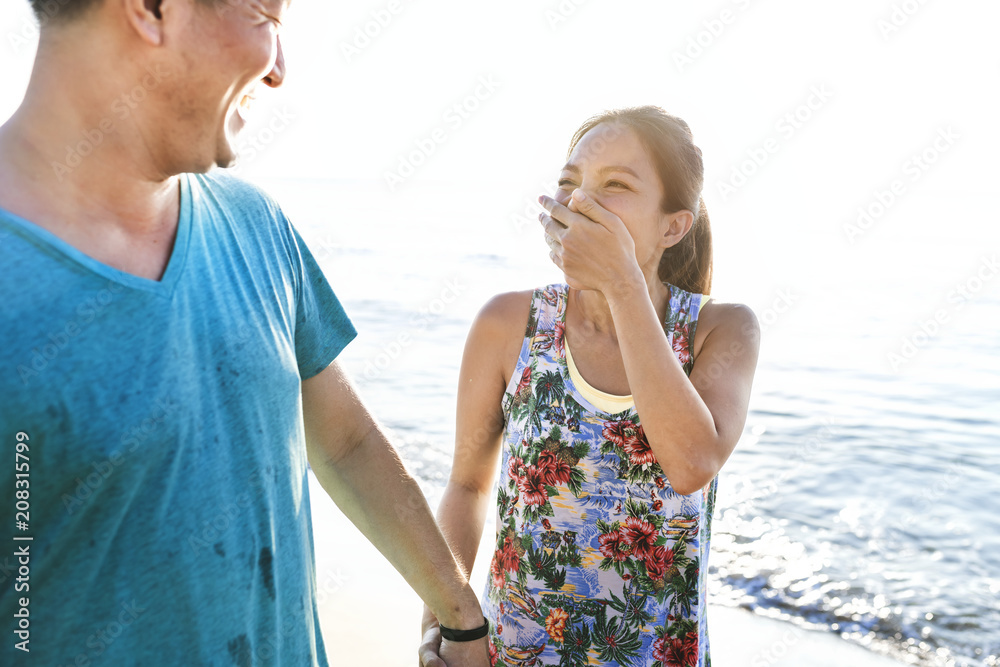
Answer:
(566, 183)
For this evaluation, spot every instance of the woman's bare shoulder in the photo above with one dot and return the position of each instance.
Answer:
(734, 320)
(499, 329)
(504, 318)
(503, 308)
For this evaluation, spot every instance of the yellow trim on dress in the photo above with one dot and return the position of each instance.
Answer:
(601, 400)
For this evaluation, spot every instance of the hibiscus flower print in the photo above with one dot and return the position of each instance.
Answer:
(516, 468)
(510, 559)
(560, 336)
(554, 469)
(494, 655)
(657, 561)
(496, 571)
(555, 624)
(681, 345)
(615, 545)
(638, 450)
(641, 534)
(621, 431)
(629, 438)
(677, 652)
(532, 486)
(597, 560)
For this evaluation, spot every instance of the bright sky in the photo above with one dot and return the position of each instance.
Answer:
(832, 100)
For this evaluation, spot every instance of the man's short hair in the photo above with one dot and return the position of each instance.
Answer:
(61, 10)
(66, 10)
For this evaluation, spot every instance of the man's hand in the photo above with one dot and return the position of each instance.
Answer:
(430, 648)
(461, 654)
(436, 652)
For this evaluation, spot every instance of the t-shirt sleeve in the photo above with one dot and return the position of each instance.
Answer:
(322, 328)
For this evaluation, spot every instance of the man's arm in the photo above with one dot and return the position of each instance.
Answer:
(359, 468)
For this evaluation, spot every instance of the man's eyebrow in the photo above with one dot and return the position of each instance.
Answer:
(569, 166)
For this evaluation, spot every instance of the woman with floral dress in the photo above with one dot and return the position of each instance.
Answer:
(612, 401)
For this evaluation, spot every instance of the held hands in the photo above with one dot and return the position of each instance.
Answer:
(590, 244)
(430, 646)
(435, 652)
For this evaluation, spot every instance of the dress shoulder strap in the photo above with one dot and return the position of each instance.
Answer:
(544, 329)
(546, 320)
(680, 323)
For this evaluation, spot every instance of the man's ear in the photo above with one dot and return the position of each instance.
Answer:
(676, 227)
(146, 18)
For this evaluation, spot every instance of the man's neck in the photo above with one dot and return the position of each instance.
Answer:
(43, 168)
(68, 151)
(102, 206)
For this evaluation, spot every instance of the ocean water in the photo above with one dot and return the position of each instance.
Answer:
(861, 498)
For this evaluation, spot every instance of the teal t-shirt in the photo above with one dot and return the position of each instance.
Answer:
(163, 476)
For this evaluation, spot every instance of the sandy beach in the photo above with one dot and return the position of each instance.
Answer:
(370, 616)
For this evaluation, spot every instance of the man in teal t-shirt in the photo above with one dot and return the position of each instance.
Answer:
(167, 347)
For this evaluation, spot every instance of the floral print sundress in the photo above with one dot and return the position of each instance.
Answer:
(598, 561)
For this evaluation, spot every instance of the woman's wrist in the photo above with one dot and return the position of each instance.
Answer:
(626, 287)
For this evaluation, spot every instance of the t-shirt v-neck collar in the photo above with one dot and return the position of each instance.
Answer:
(175, 265)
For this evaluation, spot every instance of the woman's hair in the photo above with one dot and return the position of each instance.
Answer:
(670, 145)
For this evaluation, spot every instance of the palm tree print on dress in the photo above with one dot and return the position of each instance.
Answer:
(598, 561)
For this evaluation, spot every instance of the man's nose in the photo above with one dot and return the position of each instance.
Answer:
(276, 76)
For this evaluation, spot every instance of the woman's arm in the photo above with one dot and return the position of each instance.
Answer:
(491, 352)
(692, 425)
